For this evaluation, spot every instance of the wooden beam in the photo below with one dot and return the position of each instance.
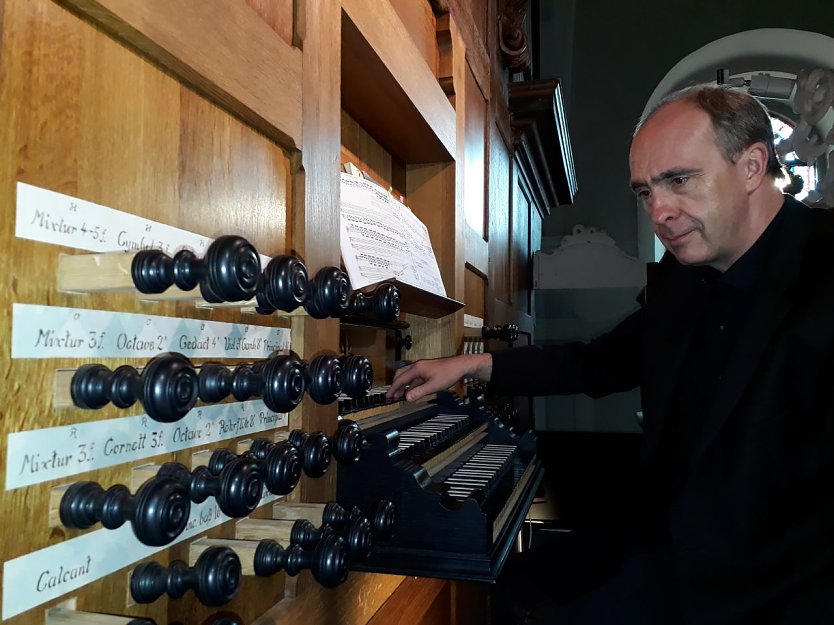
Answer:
(224, 50)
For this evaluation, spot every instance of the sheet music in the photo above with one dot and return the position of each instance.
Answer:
(382, 239)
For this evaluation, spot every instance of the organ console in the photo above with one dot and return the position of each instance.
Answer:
(167, 388)
(215, 578)
(237, 487)
(383, 302)
(461, 482)
(158, 512)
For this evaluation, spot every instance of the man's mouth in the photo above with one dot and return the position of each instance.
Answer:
(673, 240)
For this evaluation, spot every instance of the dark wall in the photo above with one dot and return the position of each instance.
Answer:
(611, 56)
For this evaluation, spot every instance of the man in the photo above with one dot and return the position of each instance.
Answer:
(734, 354)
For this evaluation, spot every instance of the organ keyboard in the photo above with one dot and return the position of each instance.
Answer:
(462, 483)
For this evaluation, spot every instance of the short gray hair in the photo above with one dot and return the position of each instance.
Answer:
(738, 119)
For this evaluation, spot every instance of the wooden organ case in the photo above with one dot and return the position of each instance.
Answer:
(157, 124)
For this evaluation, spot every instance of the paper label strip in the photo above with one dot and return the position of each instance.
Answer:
(55, 332)
(36, 456)
(51, 217)
(40, 576)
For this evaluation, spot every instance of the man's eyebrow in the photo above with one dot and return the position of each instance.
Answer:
(675, 172)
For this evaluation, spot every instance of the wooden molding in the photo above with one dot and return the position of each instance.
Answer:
(542, 142)
(224, 50)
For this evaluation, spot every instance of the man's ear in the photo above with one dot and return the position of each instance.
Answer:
(755, 164)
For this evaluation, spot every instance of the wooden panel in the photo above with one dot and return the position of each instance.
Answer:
(352, 603)
(389, 89)
(475, 294)
(315, 231)
(361, 149)
(431, 193)
(470, 603)
(499, 215)
(521, 259)
(414, 602)
(475, 110)
(85, 116)
(477, 252)
(229, 54)
(276, 13)
(418, 19)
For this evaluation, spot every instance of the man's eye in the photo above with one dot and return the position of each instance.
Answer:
(642, 194)
(679, 180)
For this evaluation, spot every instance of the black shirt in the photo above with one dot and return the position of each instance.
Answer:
(726, 302)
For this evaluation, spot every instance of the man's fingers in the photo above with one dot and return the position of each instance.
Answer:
(402, 378)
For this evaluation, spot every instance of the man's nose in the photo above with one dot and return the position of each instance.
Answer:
(661, 208)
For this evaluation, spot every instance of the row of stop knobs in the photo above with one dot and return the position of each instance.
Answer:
(230, 271)
(160, 509)
(345, 537)
(169, 385)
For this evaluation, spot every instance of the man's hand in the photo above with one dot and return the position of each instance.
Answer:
(429, 376)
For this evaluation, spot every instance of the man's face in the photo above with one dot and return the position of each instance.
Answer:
(695, 197)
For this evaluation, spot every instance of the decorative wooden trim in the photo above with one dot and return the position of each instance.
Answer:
(512, 40)
(542, 143)
(227, 53)
(476, 53)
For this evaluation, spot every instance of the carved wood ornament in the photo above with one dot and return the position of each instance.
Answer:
(511, 36)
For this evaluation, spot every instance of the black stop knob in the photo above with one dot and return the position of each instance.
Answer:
(314, 450)
(167, 388)
(158, 512)
(384, 520)
(348, 442)
(280, 464)
(279, 381)
(328, 293)
(507, 332)
(357, 534)
(215, 382)
(357, 375)
(215, 578)
(282, 285)
(228, 272)
(307, 535)
(324, 379)
(237, 488)
(329, 561)
(384, 302)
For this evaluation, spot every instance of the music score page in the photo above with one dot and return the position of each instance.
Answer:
(382, 239)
